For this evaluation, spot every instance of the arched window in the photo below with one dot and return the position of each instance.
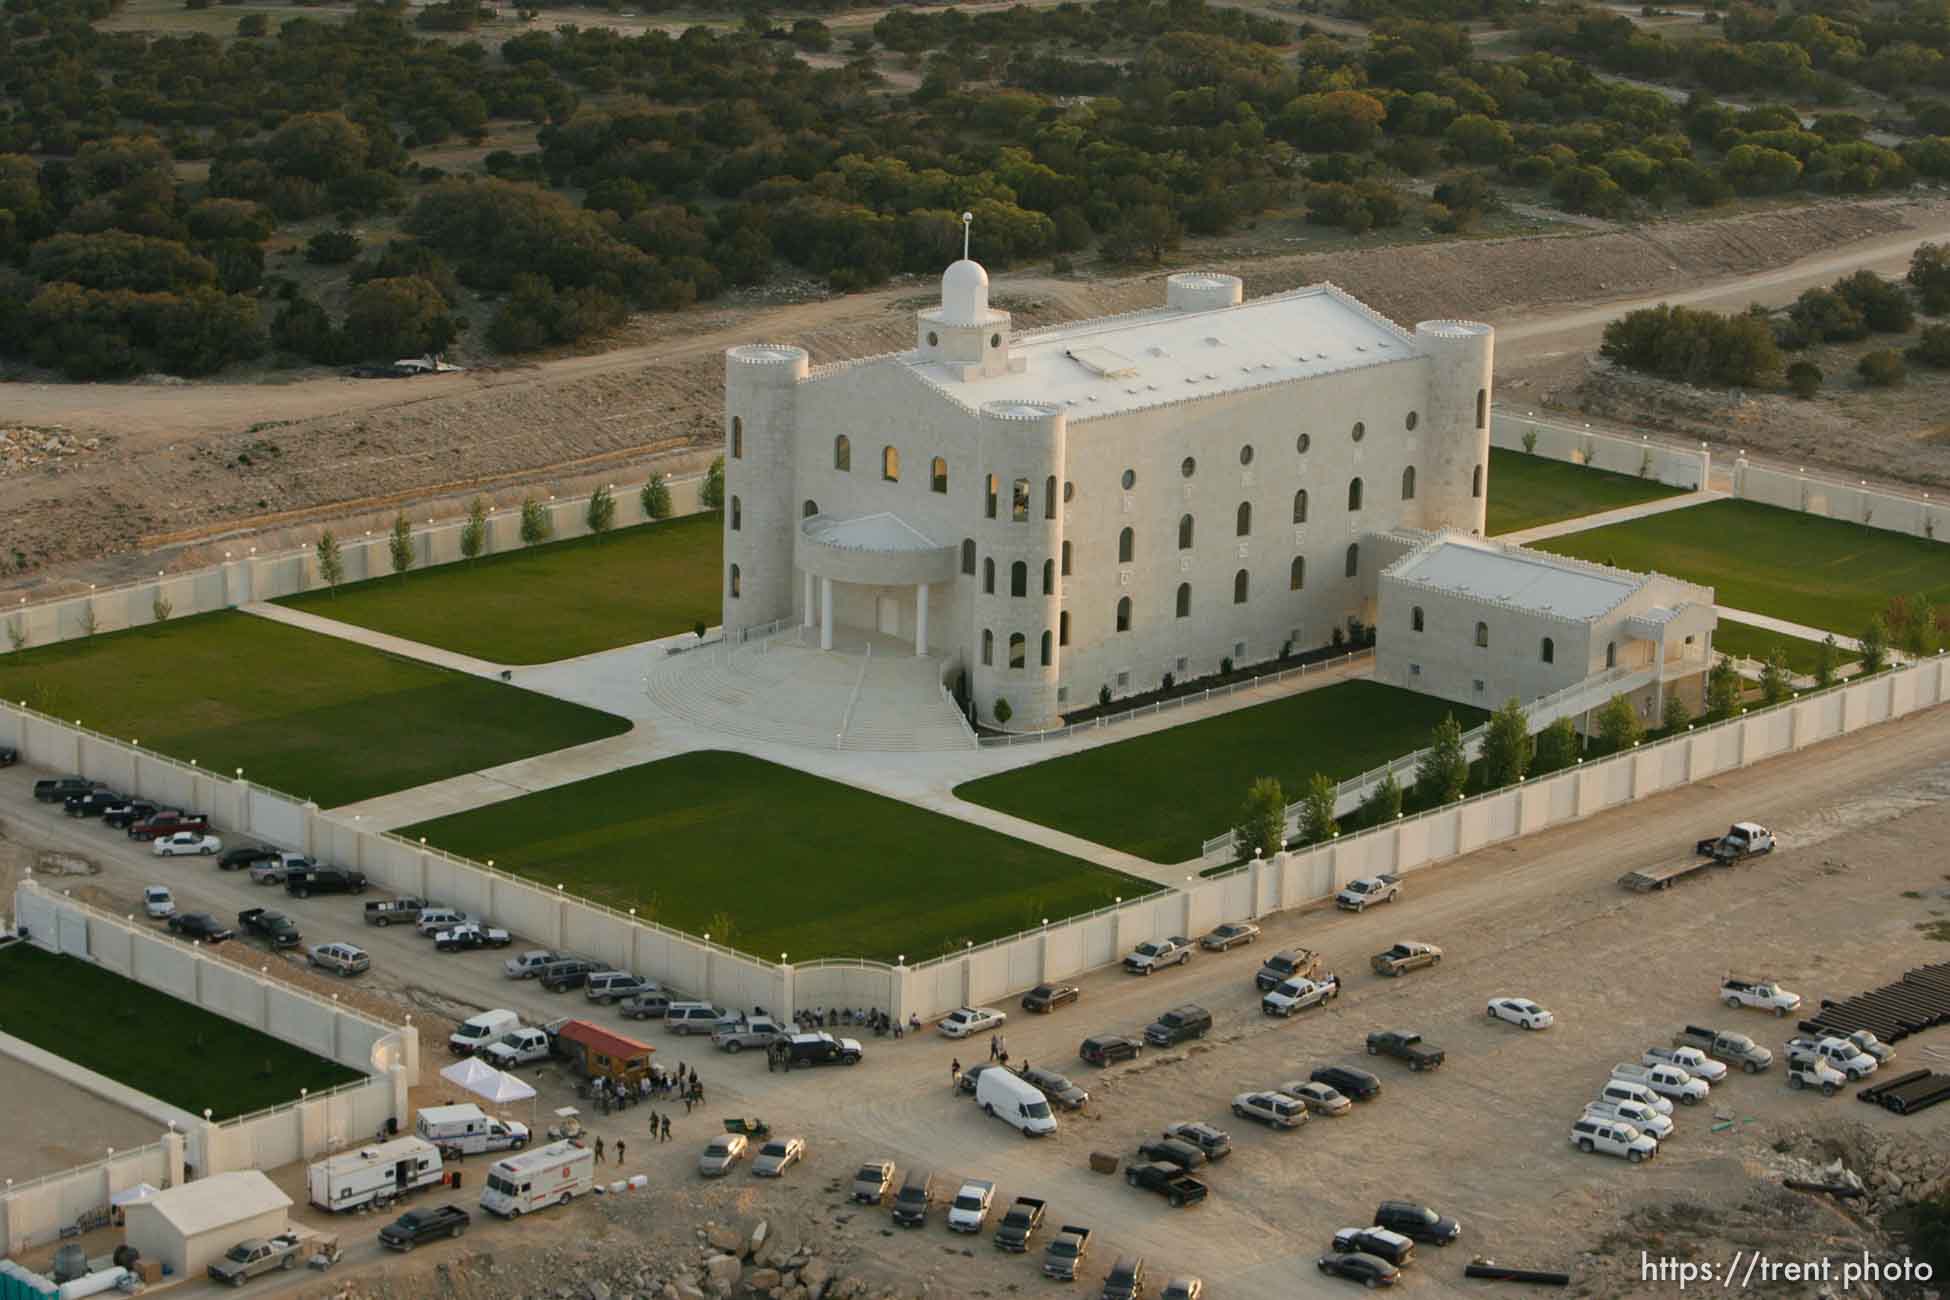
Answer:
(1360, 430)
(1415, 618)
(842, 454)
(1300, 506)
(1018, 650)
(1066, 559)
(890, 464)
(1049, 577)
(1019, 579)
(737, 513)
(1126, 543)
(1241, 587)
(1049, 497)
(968, 556)
(1296, 574)
(1123, 613)
(992, 486)
(737, 437)
(1353, 559)
(938, 475)
(988, 576)
(1047, 653)
(737, 587)
(988, 648)
(810, 509)
(1483, 636)
(1611, 654)
(1482, 408)
(1245, 519)
(1408, 484)
(1549, 651)
(1476, 482)
(1354, 495)
(1019, 501)
(1184, 600)
(1184, 532)
(1063, 628)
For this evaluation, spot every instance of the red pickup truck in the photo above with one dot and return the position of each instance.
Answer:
(168, 822)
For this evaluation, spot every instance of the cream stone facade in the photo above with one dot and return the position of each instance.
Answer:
(1100, 503)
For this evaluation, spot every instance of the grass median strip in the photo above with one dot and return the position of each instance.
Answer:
(770, 859)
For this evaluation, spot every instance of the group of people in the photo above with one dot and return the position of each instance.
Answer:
(812, 1018)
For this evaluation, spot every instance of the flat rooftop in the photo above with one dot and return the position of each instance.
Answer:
(1123, 363)
(1524, 579)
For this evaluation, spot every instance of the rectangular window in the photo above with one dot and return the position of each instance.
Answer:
(1238, 649)
(1062, 694)
(1183, 665)
(1124, 681)
(1479, 686)
(1415, 670)
(991, 486)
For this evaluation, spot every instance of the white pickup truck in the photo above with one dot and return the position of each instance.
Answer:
(1838, 1052)
(1763, 995)
(1362, 894)
(517, 1047)
(1666, 1080)
(1690, 1059)
(970, 1209)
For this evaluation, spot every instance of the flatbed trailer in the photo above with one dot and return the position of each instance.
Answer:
(1647, 879)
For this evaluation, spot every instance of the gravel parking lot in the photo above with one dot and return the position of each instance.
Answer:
(1862, 823)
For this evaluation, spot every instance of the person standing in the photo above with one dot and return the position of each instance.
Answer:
(619, 1153)
(599, 1150)
(666, 1128)
(653, 1126)
(954, 1074)
(993, 1049)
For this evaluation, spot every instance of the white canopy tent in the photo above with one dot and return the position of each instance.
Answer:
(490, 1084)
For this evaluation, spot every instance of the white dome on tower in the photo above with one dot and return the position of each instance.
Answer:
(964, 293)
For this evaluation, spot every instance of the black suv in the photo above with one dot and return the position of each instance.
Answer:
(1348, 1081)
(324, 880)
(1216, 1143)
(416, 1226)
(1178, 1024)
(1102, 1049)
(92, 804)
(1126, 1279)
(245, 859)
(560, 976)
(1173, 1152)
(1417, 1222)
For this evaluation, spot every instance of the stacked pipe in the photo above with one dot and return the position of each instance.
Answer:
(1920, 1000)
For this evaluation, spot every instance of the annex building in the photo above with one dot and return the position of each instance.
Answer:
(1100, 503)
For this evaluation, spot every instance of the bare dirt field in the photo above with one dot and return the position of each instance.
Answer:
(53, 1125)
(177, 468)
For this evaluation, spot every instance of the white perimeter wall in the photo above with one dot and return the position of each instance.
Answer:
(1640, 457)
(1921, 515)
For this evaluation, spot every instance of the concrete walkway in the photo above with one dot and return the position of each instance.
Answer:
(1625, 514)
(1786, 628)
(365, 636)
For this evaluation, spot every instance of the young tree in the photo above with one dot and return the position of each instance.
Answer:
(89, 622)
(161, 608)
(1875, 645)
(534, 522)
(1003, 712)
(1557, 746)
(1507, 749)
(1317, 823)
(1825, 661)
(1921, 635)
(1804, 377)
(1675, 715)
(1384, 802)
(1618, 724)
(1774, 685)
(1722, 689)
(1262, 819)
(602, 511)
(656, 498)
(331, 564)
(473, 533)
(1444, 769)
(401, 544)
(713, 490)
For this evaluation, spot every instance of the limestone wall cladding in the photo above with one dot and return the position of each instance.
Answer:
(1457, 408)
(761, 444)
(1918, 515)
(1640, 457)
(35, 1212)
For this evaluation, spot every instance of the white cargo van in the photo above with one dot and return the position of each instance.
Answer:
(373, 1175)
(535, 1180)
(1008, 1097)
(476, 1032)
(469, 1130)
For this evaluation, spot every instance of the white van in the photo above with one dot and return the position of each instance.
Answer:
(476, 1032)
(373, 1175)
(535, 1180)
(469, 1130)
(1625, 1090)
(1009, 1097)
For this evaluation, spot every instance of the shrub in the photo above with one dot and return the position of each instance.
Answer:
(332, 248)
(1225, 666)
(1675, 715)
(1885, 307)
(656, 498)
(1317, 822)
(1694, 346)
(1262, 819)
(1804, 378)
(1444, 769)
(1003, 712)
(1507, 747)
(1932, 347)
(1618, 724)
(712, 493)
(1103, 696)
(535, 526)
(1882, 369)
(1557, 746)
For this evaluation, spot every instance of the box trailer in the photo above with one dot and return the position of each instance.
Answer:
(373, 1175)
(534, 1180)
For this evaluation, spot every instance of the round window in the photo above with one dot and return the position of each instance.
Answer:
(934, 340)
(1069, 491)
(995, 340)
(1360, 431)
(1246, 454)
(1303, 443)
(1411, 421)
(1189, 468)
(1130, 479)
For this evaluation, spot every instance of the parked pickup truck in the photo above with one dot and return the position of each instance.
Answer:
(1364, 893)
(518, 1047)
(323, 880)
(168, 822)
(1405, 957)
(1405, 1046)
(247, 1259)
(1299, 994)
(1734, 1049)
(59, 789)
(1763, 995)
(1158, 954)
(1742, 840)
(280, 929)
(1838, 1052)
(1287, 964)
(466, 938)
(970, 1208)
(124, 815)
(1666, 1080)
(404, 910)
(1063, 1257)
(1020, 1224)
(1168, 1181)
(753, 1031)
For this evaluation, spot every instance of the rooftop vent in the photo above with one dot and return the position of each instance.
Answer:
(1103, 361)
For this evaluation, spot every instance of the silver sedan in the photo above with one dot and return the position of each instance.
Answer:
(777, 1156)
(720, 1154)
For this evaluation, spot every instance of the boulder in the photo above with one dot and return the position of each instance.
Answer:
(723, 1271)
(1103, 1162)
(726, 1240)
(815, 1275)
(757, 1242)
(763, 1279)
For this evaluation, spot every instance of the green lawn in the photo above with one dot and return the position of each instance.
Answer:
(152, 1042)
(1757, 643)
(1526, 491)
(311, 715)
(796, 863)
(548, 602)
(1823, 573)
(1161, 796)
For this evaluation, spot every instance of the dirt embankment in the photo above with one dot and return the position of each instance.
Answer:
(176, 470)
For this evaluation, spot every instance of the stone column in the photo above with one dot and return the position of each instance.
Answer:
(807, 619)
(921, 620)
(825, 613)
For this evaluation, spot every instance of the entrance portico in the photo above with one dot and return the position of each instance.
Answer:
(879, 551)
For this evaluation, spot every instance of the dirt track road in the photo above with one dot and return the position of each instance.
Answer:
(1862, 820)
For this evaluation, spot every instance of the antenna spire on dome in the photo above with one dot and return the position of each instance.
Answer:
(967, 220)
